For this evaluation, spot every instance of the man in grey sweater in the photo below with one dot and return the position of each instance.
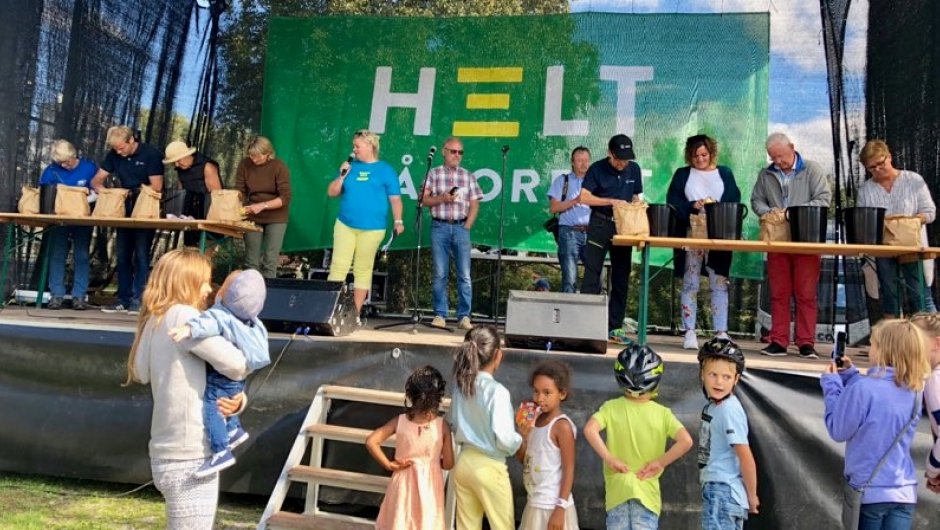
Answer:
(790, 180)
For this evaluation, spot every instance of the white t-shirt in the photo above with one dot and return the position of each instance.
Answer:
(704, 185)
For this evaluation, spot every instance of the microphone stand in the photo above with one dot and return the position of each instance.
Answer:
(499, 244)
(416, 318)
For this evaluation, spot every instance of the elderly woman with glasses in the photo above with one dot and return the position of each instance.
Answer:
(367, 188)
(900, 192)
(701, 181)
(264, 182)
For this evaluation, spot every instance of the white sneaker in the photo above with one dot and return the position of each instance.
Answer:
(691, 341)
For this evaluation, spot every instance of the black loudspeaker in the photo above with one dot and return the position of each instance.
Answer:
(557, 321)
(326, 307)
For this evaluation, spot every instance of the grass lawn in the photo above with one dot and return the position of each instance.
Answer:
(30, 502)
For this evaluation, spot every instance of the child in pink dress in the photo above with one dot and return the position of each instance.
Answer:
(423, 448)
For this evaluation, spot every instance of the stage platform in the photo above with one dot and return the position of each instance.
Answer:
(65, 413)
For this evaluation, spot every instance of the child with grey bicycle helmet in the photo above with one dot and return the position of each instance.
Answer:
(722, 349)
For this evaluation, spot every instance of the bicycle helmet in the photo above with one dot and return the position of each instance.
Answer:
(722, 349)
(638, 370)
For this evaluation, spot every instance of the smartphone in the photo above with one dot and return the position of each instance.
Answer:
(838, 352)
(454, 190)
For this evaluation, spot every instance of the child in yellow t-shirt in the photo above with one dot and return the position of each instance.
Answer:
(637, 429)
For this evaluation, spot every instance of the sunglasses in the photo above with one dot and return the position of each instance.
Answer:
(454, 151)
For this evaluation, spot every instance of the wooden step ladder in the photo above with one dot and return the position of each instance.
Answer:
(314, 431)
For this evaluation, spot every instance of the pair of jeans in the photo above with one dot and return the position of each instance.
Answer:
(600, 236)
(262, 249)
(571, 244)
(631, 515)
(133, 248)
(719, 510)
(451, 241)
(81, 240)
(217, 426)
(888, 286)
(694, 262)
(886, 516)
(793, 276)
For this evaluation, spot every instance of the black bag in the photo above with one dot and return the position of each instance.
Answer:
(551, 226)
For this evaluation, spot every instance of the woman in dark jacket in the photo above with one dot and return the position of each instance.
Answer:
(692, 186)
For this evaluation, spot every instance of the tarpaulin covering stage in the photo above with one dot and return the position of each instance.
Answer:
(65, 414)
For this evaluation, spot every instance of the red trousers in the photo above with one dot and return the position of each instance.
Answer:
(793, 276)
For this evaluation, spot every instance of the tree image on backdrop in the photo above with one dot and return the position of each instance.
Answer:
(540, 85)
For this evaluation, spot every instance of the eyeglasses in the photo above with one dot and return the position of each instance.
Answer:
(454, 151)
(879, 166)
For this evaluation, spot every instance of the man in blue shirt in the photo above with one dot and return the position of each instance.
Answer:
(135, 164)
(564, 198)
(609, 182)
(69, 169)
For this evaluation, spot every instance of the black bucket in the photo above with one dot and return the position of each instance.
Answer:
(864, 225)
(173, 202)
(47, 194)
(662, 218)
(808, 223)
(725, 219)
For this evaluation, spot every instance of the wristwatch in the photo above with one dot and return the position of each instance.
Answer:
(564, 504)
(399, 222)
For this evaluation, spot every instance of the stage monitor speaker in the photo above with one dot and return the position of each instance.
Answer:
(326, 307)
(566, 321)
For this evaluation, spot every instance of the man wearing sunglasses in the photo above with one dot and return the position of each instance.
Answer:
(790, 180)
(453, 195)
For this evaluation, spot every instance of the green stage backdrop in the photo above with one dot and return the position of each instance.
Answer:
(541, 85)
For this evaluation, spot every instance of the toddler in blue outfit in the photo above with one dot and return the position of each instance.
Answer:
(235, 317)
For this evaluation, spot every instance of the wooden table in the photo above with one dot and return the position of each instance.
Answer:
(819, 249)
(223, 228)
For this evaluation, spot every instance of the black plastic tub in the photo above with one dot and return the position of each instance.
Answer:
(864, 225)
(662, 218)
(808, 223)
(724, 219)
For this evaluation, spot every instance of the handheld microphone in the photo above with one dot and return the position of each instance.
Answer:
(432, 152)
(348, 161)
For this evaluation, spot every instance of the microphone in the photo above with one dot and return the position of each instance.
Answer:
(432, 152)
(348, 161)
(505, 149)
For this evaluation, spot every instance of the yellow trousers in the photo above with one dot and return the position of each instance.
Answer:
(482, 487)
(356, 248)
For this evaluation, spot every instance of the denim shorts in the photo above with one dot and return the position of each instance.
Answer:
(632, 515)
(719, 510)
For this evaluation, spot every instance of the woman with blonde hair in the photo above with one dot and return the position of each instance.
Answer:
(363, 213)
(876, 416)
(264, 182)
(176, 372)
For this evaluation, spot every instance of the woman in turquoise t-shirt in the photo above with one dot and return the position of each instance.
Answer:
(366, 187)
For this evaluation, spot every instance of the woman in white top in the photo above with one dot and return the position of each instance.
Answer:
(900, 192)
(701, 181)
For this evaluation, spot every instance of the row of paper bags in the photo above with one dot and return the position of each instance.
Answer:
(72, 201)
(899, 230)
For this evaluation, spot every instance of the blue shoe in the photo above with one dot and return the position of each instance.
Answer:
(619, 336)
(134, 308)
(215, 463)
(236, 438)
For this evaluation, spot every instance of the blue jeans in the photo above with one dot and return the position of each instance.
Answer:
(570, 249)
(81, 239)
(888, 286)
(631, 515)
(719, 511)
(218, 427)
(133, 250)
(451, 240)
(886, 516)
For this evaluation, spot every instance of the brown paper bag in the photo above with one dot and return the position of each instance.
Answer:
(110, 203)
(29, 201)
(631, 219)
(72, 201)
(226, 206)
(698, 228)
(774, 227)
(147, 205)
(902, 231)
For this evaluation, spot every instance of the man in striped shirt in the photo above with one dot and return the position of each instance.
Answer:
(453, 195)
(900, 192)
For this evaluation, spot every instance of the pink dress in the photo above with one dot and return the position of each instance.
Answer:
(415, 496)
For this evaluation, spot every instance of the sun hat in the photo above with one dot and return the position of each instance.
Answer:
(177, 151)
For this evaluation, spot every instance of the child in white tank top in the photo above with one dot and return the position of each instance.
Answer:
(548, 453)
